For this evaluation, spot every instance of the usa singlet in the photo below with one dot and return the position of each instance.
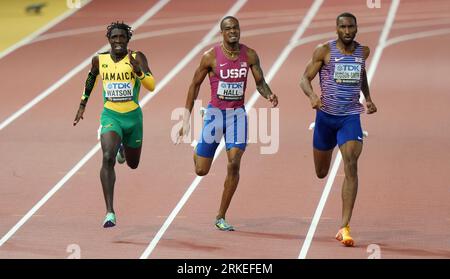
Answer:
(340, 81)
(229, 81)
(120, 86)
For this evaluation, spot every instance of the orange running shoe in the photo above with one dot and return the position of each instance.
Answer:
(344, 237)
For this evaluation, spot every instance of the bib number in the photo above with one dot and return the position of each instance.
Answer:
(347, 73)
(119, 91)
(230, 91)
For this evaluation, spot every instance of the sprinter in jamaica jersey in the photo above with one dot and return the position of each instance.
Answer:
(122, 72)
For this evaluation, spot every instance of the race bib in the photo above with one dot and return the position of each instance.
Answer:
(230, 91)
(119, 91)
(347, 73)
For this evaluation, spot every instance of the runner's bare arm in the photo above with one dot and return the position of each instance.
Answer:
(312, 68)
(89, 85)
(261, 84)
(206, 64)
(371, 108)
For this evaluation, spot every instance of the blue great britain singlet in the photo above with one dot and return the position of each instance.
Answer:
(340, 81)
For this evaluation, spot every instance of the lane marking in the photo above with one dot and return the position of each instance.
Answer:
(275, 67)
(151, 12)
(276, 17)
(315, 221)
(417, 35)
(187, 21)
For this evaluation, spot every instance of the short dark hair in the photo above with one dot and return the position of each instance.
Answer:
(345, 15)
(225, 18)
(119, 25)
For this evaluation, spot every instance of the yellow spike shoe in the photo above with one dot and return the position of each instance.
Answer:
(344, 237)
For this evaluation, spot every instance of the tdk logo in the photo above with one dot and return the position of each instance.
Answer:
(238, 85)
(349, 67)
(119, 85)
(233, 73)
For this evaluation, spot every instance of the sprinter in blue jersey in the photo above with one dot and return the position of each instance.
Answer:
(341, 66)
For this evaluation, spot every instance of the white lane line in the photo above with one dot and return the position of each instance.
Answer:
(189, 21)
(383, 38)
(283, 28)
(275, 67)
(417, 35)
(47, 196)
(41, 30)
(275, 17)
(263, 18)
(398, 26)
(288, 49)
(315, 221)
(381, 43)
(151, 12)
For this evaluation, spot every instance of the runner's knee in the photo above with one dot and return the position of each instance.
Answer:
(233, 167)
(201, 171)
(109, 158)
(351, 166)
(321, 173)
(133, 165)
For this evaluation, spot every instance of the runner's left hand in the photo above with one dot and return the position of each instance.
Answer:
(371, 108)
(184, 130)
(273, 99)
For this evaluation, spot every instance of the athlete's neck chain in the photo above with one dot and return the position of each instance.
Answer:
(231, 53)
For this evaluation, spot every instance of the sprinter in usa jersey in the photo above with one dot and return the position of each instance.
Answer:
(227, 65)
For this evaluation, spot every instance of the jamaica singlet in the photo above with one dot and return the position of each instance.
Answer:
(120, 86)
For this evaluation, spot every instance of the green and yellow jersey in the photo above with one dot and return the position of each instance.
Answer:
(120, 85)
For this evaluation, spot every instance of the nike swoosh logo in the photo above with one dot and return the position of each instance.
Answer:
(359, 138)
(338, 59)
(221, 65)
